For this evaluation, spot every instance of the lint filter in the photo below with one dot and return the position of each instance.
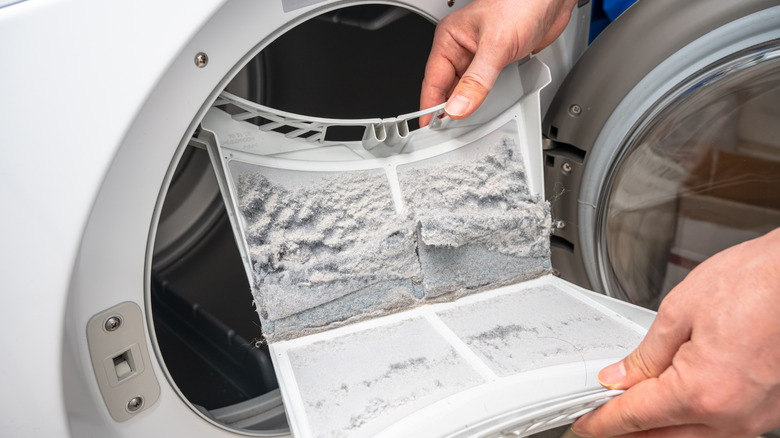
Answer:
(403, 279)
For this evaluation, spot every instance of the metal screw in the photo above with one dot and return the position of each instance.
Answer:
(566, 167)
(112, 323)
(201, 59)
(135, 403)
(559, 224)
(575, 110)
(450, 3)
(556, 273)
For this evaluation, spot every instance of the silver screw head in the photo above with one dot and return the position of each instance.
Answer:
(201, 59)
(112, 323)
(559, 224)
(135, 403)
(575, 110)
(566, 167)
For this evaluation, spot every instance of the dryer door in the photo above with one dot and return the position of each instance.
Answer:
(663, 150)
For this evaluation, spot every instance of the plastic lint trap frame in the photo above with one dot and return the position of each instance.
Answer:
(402, 278)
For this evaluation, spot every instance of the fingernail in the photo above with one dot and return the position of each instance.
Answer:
(612, 375)
(581, 434)
(457, 105)
(577, 429)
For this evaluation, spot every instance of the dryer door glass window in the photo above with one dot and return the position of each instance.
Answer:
(700, 174)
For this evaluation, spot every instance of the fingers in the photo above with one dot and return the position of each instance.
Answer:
(472, 45)
(476, 82)
(435, 89)
(654, 388)
(447, 60)
(708, 347)
(470, 48)
(440, 78)
(441, 75)
(650, 404)
(670, 330)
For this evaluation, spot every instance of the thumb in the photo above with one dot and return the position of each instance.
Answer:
(475, 84)
(653, 355)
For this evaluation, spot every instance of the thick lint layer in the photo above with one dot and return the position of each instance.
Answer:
(479, 226)
(333, 250)
(325, 252)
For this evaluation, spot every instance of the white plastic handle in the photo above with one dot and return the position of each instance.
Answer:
(392, 131)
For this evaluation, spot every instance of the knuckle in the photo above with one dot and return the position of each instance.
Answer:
(445, 24)
(641, 362)
(667, 308)
(671, 318)
(473, 84)
(669, 312)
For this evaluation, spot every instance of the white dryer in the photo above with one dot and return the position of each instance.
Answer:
(128, 309)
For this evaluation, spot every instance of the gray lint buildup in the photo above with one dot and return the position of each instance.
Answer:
(333, 250)
(541, 327)
(367, 389)
(479, 227)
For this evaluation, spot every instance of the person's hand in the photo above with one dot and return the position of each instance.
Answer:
(473, 44)
(710, 364)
